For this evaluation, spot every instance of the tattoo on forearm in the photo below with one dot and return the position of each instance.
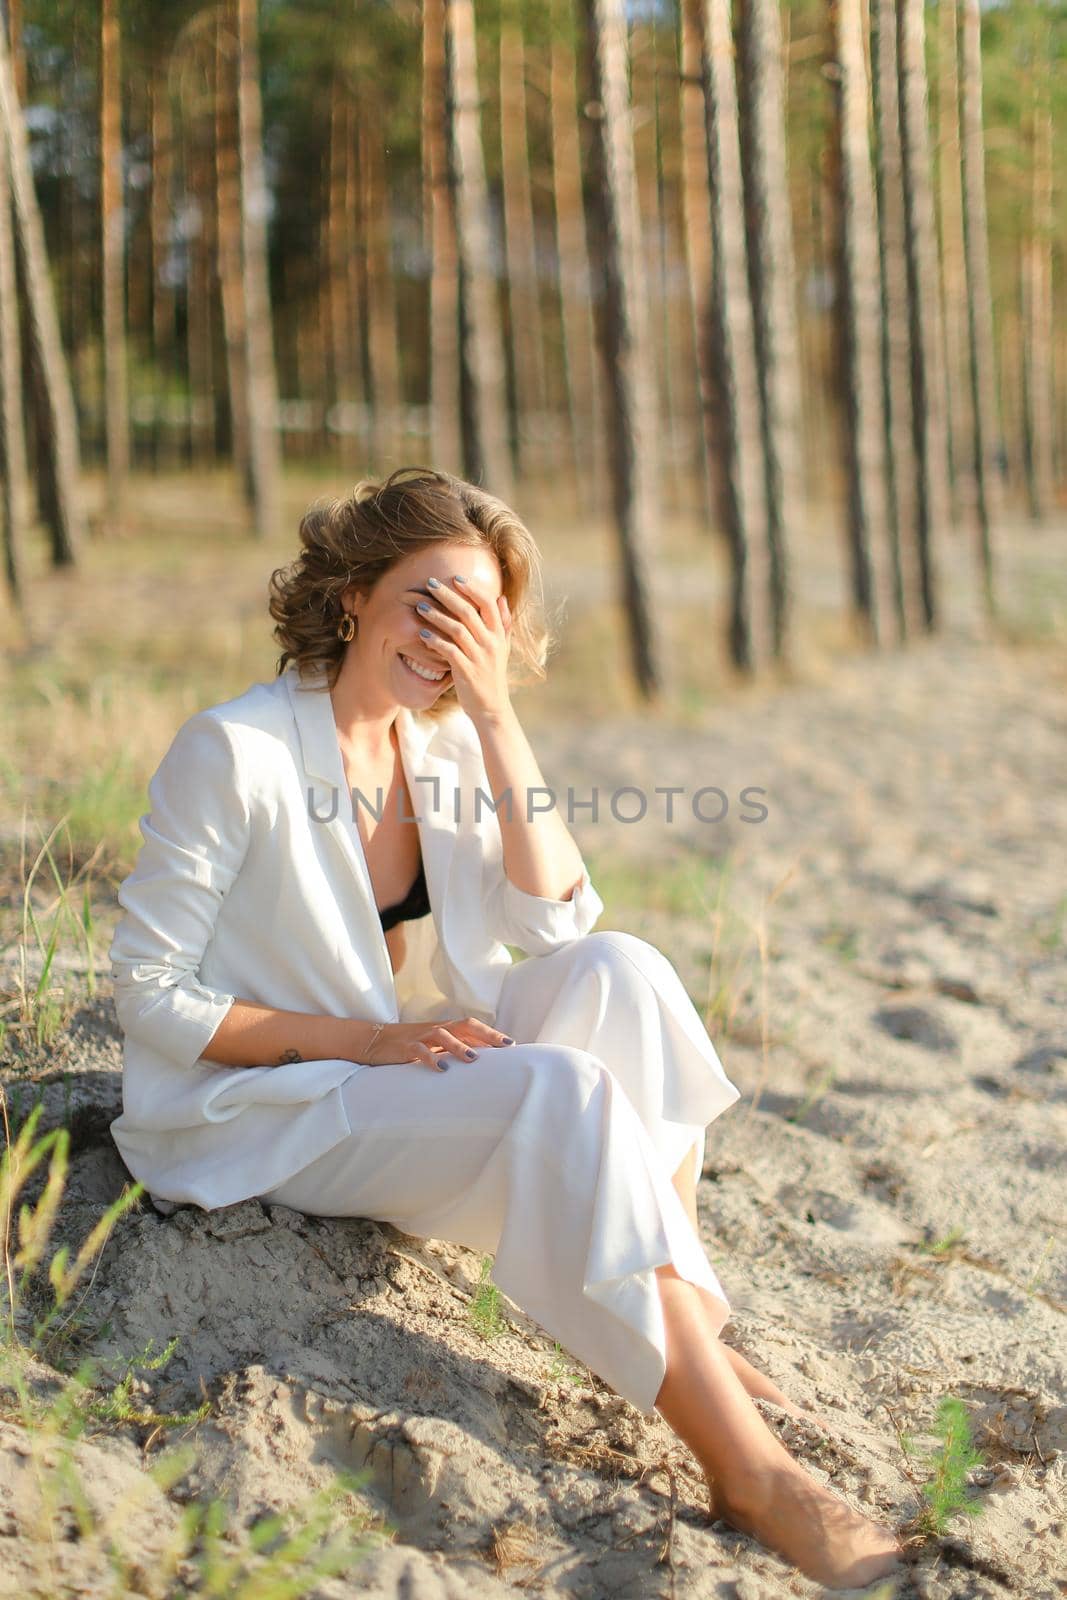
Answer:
(288, 1055)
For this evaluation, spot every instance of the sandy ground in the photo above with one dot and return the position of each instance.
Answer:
(886, 1205)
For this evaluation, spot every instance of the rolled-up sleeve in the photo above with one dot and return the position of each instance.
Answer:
(533, 923)
(195, 838)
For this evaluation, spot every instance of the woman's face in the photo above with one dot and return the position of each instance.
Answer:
(387, 636)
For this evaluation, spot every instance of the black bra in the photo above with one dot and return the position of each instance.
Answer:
(416, 903)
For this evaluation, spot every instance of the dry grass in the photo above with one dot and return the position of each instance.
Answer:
(510, 1547)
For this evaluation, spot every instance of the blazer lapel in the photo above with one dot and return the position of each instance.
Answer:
(422, 752)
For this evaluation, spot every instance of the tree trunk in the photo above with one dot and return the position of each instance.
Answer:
(732, 421)
(953, 271)
(199, 344)
(901, 506)
(928, 423)
(340, 240)
(312, 361)
(622, 330)
(320, 266)
(641, 48)
(665, 248)
(113, 220)
(162, 165)
(382, 339)
(356, 278)
(1038, 326)
(857, 322)
(231, 277)
(34, 386)
(15, 483)
(1009, 363)
(264, 444)
(672, 334)
(823, 423)
(18, 55)
(772, 283)
(584, 404)
(696, 204)
(61, 441)
(524, 296)
(439, 238)
(139, 236)
(986, 440)
(483, 383)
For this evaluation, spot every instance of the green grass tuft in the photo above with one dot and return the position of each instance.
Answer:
(486, 1315)
(561, 1370)
(942, 1247)
(945, 1488)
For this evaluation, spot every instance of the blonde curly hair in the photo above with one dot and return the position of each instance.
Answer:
(357, 538)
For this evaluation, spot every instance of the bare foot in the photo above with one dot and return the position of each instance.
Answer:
(790, 1513)
(830, 1426)
(803, 1414)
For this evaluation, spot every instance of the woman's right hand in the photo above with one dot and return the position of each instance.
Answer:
(425, 1041)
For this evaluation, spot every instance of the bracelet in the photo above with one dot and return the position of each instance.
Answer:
(373, 1041)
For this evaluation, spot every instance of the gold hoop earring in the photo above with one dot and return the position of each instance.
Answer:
(346, 628)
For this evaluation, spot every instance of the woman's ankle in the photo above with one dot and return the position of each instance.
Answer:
(748, 1495)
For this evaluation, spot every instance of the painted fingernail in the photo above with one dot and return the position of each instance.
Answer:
(433, 583)
(424, 633)
(507, 1040)
(443, 1066)
(422, 606)
(472, 1055)
(458, 579)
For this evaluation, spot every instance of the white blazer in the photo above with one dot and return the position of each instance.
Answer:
(252, 882)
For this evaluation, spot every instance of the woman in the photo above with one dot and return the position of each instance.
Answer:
(320, 1007)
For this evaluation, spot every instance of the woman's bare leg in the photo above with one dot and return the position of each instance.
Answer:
(755, 1483)
(757, 1383)
(761, 1387)
(685, 1181)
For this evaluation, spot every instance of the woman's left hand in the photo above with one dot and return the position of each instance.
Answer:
(471, 635)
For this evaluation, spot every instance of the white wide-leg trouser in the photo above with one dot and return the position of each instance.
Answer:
(554, 1154)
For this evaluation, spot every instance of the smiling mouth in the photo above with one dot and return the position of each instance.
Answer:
(426, 674)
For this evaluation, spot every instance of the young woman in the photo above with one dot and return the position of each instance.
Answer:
(320, 1008)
